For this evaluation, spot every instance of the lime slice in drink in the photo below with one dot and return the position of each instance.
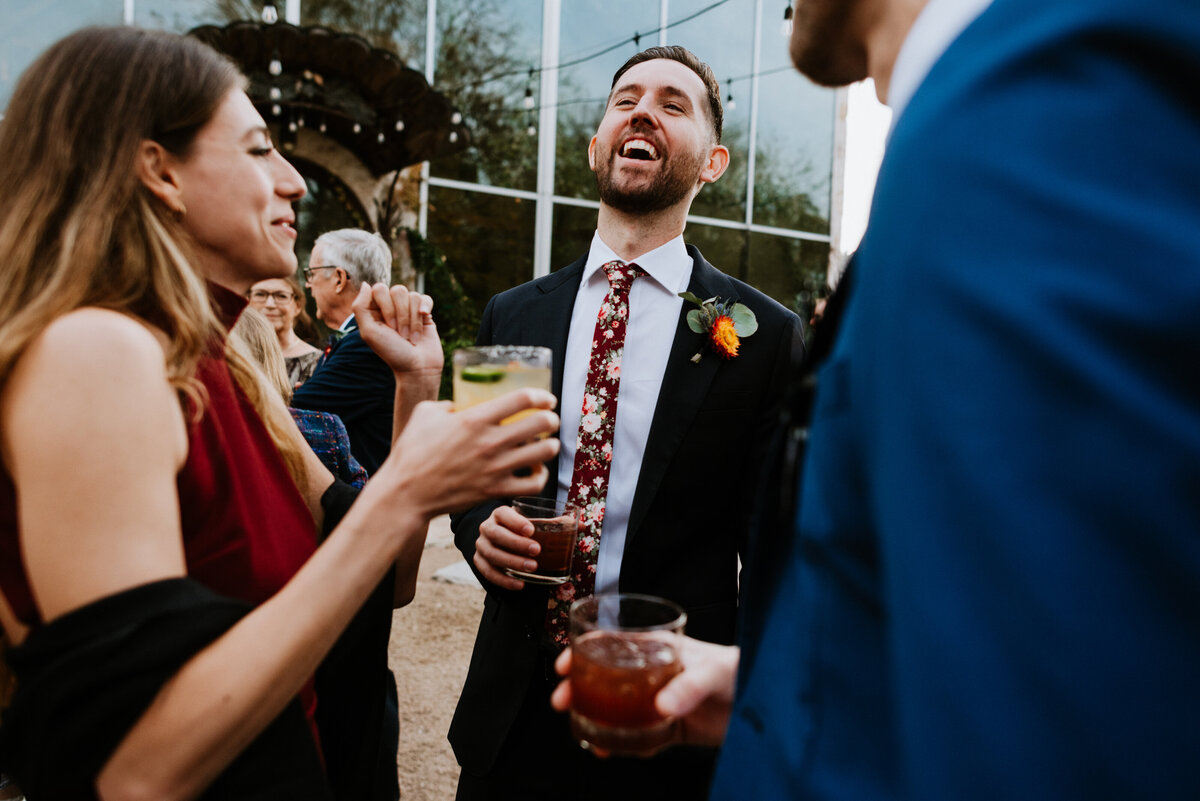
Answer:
(483, 374)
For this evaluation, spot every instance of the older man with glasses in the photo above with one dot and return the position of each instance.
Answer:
(350, 381)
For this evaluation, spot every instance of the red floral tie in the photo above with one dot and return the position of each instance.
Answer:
(594, 445)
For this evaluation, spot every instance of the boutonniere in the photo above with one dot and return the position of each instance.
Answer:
(722, 322)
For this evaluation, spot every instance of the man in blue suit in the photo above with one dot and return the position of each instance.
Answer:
(992, 587)
(350, 381)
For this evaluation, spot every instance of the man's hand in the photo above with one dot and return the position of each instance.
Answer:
(505, 540)
(398, 325)
(700, 698)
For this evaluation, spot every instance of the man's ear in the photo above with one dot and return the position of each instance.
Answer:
(592, 154)
(155, 168)
(718, 161)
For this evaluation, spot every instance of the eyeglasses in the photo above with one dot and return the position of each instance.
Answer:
(308, 271)
(261, 295)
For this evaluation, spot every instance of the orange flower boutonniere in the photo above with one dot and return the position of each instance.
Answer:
(723, 323)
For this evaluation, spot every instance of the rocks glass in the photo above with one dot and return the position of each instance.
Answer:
(624, 648)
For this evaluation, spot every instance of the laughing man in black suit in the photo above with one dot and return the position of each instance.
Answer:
(683, 450)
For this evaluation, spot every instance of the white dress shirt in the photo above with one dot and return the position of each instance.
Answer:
(654, 304)
(938, 24)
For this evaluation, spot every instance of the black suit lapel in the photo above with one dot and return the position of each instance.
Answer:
(684, 387)
(551, 314)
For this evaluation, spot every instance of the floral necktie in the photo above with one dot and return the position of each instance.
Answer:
(594, 444)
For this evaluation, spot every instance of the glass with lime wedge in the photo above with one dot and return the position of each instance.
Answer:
(483, 373)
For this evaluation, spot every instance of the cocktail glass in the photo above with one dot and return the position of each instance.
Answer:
(555, 527)
(624, 648)
(487, 372)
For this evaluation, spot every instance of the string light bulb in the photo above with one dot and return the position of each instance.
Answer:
(357, 128)
(730, 104)
(399, 125)
(276, 66)
(786, 28)
(270, 14)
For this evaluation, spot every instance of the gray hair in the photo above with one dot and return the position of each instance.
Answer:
(363, 255)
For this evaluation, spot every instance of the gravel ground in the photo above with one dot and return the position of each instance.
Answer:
(429, 652)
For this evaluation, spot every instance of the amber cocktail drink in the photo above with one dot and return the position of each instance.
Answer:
(555, 527)
(483, 373)
(624, 648)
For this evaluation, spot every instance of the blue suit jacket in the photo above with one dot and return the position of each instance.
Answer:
(356, 385)
(994, 587)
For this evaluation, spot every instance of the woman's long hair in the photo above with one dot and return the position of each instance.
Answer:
(77, 225)
(253, 337)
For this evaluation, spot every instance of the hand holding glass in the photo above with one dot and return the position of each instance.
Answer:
(624, 648)
(555, 527)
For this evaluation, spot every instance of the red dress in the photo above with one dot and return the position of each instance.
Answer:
(246, 528)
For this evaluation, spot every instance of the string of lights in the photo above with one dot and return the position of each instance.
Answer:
(635, 39)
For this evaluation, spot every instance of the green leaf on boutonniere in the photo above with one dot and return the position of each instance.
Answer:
(695, 322)
(688, 296)
(744, 321)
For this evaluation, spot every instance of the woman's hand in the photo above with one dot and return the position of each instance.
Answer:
(448, 460)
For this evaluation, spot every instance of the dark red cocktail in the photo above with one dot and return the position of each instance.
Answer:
(623, 650)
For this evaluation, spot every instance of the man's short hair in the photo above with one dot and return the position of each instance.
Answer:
(688, 59)
(363, 255)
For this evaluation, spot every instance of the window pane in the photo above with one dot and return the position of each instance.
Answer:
(724, 248)
(794, 151)
(724, 39)
(588, 28)
(485, 52)
(487, 240)
(572, 234)
(394, 25)
(30, 26)
(179, 16)
(789, 270)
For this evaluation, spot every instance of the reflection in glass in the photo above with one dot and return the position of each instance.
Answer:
(487, 240)
(794, 153)
(31, 27)
(572, 235)
(789, 270)
(486, 50)
(589, 27)
(724, 39)
(179, 16)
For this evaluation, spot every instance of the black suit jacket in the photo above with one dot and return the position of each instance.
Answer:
(356, 385)
(689, 519)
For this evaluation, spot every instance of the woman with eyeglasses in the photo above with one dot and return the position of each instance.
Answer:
(281, 301)
(163, 598)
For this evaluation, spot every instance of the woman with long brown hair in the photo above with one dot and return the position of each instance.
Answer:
(164, 598)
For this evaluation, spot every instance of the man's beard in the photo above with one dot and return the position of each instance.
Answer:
(822, 45)
(675, 182)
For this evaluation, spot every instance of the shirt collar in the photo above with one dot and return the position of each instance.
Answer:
(936, 27)
(347, 325)
(669, 264)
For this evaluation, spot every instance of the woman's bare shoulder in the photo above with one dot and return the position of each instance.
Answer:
(87, 334)
(90, 364)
